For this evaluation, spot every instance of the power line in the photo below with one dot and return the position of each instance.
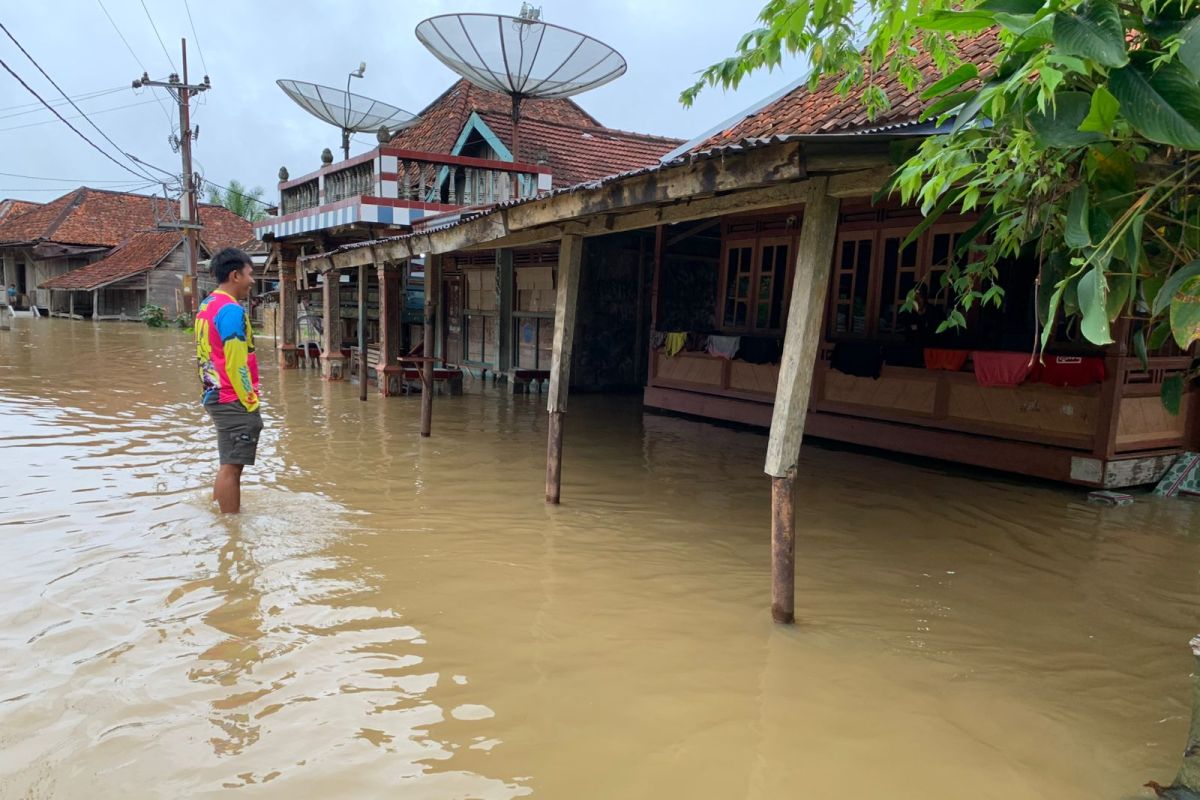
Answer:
(46, 75)
(37, 106)
(78, 132)
(112, 22)
(156, 33)
(123, 187)
(61, 180)
(195, 36)
(79, 116)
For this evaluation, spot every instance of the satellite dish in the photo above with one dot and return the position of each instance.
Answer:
(522, 57)
(351, 112)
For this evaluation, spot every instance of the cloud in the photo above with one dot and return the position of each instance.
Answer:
(249, 128)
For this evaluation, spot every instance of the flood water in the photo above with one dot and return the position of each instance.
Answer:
(405, 618)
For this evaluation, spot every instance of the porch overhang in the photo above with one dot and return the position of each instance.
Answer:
(735, 179)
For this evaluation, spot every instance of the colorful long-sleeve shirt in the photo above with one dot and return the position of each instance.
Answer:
(225, 352)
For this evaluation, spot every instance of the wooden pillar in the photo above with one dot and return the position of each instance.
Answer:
(333, 363)
(570, 260)
(656, 277)
(71, 305)
(286, 334)
(504, 302)
(389, 374)
(363, 367)
(810, 285)
(95, 305)
(433, 277)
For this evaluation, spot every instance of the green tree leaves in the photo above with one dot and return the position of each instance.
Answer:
(1095, 33)
(1163, 105)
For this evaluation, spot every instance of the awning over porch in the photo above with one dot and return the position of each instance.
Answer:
(140, 253)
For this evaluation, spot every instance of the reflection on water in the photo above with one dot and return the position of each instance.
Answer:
(405, 618)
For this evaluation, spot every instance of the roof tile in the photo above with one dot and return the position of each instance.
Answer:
(103, 218)
(142, 252)
(557, 132)
(824, 110)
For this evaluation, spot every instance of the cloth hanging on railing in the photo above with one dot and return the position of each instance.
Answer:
(674, 342)
(994, 368)
(860, 359)
(949, 360)
(1070, 370)
(723, 346)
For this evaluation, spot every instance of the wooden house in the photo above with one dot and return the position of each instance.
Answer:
(703, 251)
(454, 164)
(774, 298)
(113, 235)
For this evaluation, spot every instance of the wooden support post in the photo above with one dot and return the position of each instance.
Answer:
(95, 305)
(570, 261)
(505, 343)
(71, 305)
(286, 335)
(333, 363)
(656, 277)
(362, 333)
(388, 373)
(810, 285)
(433, 276)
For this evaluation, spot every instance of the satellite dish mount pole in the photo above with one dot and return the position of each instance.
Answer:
(516, 143)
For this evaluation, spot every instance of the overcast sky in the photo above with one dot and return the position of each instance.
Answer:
(249, 128)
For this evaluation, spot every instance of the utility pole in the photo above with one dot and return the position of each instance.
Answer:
(189, 207)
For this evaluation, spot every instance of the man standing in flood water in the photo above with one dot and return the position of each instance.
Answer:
(229, 373)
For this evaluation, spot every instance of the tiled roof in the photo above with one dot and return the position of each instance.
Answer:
(102, 218)
(823, 110)
(576, 146)
(14, 208)
(577, 153)
(140, 253)
(444, 118)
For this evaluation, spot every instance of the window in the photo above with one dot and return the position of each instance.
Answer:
(901, 271)
(852, 284)
(756, 272)
(873, 275)
(739, 266)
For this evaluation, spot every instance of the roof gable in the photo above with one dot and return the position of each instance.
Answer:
(823, 109)
(444, 118)
(14, 208)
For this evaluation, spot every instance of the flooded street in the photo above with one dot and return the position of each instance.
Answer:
(405, 618)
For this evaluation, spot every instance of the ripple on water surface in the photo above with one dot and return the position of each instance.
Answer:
(402, 617)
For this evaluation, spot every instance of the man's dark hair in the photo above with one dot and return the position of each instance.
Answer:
(228, 261)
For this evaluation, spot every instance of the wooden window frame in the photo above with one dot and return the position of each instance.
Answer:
(756, 241)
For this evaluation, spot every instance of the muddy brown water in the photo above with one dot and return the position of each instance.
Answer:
(393, 617)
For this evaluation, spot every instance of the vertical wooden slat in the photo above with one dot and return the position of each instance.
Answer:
(810, 283)
(332, 363)
(570, 261)
(362, 333)
(432, 278)
(287, 306)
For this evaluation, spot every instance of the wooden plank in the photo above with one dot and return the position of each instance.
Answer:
(433, 277)
(570, 257)
(332, 361)
(803, 336)
(362, 332)
(570, 263)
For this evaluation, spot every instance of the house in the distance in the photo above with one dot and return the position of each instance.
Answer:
(94, 246)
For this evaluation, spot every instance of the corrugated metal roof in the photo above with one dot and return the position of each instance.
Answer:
(718, 151)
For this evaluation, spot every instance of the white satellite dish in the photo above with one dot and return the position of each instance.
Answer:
(522, 57)
(350, 112)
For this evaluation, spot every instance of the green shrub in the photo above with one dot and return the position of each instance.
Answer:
(154, 316)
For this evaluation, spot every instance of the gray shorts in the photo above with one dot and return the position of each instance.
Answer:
(237, 432)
